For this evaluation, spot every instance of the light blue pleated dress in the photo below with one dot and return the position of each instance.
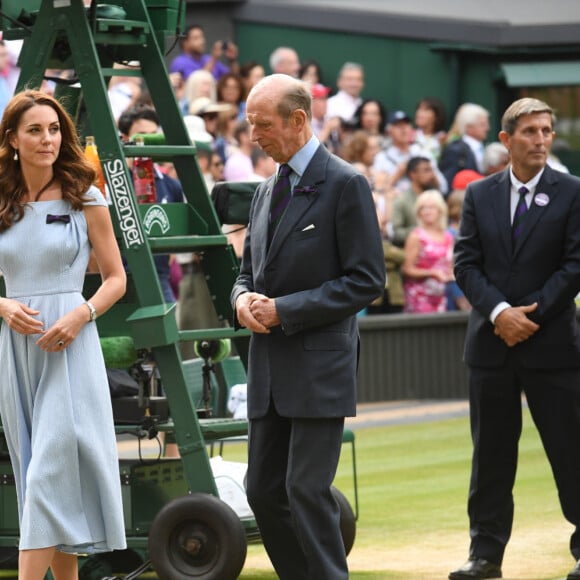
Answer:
(55, 406)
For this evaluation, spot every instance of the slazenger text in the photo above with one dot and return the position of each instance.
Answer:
(124, 203)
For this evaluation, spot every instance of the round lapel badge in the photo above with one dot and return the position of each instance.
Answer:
(541, 199)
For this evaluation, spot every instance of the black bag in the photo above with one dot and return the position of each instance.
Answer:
(232, 200)
(121, 383)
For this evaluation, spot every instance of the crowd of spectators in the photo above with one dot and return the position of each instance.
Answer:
(403, 154)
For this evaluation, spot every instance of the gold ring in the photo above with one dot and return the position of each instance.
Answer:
(60, 343)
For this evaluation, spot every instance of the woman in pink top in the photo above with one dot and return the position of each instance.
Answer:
(428, 256)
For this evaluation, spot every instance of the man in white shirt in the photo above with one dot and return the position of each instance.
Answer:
(350, 84)
(517, 259)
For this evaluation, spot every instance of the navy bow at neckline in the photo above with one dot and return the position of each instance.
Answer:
(65, 218)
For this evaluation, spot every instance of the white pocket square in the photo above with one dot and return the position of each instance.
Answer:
(310, 227)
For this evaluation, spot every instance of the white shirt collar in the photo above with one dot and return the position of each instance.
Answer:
(531, 184)
(473, 143)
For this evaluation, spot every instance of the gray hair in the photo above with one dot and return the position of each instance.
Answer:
(525, 106)
(294, 94)
(278, 56)
(468, 114)
(494, 155)
(297, 96)
(350, 66)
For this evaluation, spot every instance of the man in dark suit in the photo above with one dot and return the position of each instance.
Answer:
(518, 263)
(467, 152)
(300, 287)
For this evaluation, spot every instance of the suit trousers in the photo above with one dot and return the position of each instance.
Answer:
(553, 397)
(291, 467)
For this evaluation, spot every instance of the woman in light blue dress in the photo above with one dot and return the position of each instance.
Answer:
(54, 398)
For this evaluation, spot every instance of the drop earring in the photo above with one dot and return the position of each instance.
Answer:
(15, 156)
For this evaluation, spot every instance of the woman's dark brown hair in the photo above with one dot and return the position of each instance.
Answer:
(71, 169)
(223, 81)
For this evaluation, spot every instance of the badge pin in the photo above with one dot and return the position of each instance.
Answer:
(541, 199)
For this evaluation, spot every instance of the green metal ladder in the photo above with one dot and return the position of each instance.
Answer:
(67, 35)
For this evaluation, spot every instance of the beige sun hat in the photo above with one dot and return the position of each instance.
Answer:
(203, 105)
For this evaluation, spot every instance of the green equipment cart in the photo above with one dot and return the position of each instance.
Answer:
(174, 517)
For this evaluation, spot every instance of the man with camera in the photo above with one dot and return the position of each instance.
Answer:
(193, 55)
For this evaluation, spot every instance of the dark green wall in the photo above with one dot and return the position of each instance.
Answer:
(478, 84)
(397, 72)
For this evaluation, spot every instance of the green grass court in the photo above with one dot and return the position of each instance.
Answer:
(413, 483)
(412, 492)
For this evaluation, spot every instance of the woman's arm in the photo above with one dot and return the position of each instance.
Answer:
(108, 257)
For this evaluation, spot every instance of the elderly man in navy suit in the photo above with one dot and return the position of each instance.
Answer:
(518, 263)
(312, 259)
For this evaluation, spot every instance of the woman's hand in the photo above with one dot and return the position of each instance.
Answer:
(64, 330)
(19, 317)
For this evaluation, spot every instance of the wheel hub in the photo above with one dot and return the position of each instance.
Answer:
(193, 546)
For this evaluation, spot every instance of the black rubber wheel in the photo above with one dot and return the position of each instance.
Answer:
(197, 536)
(347, 520)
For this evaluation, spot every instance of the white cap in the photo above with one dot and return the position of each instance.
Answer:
(196, 129)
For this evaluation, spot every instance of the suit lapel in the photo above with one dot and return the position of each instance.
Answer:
(548, 186)
(314, 175)
(500, 200)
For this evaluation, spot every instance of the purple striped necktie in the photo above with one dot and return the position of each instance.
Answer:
(520, 214)
(281, 196)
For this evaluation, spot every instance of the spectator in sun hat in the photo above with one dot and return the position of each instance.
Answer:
(209, 111)
(203, 106)
(195, 126)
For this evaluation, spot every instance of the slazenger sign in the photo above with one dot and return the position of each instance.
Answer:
(124, 202)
